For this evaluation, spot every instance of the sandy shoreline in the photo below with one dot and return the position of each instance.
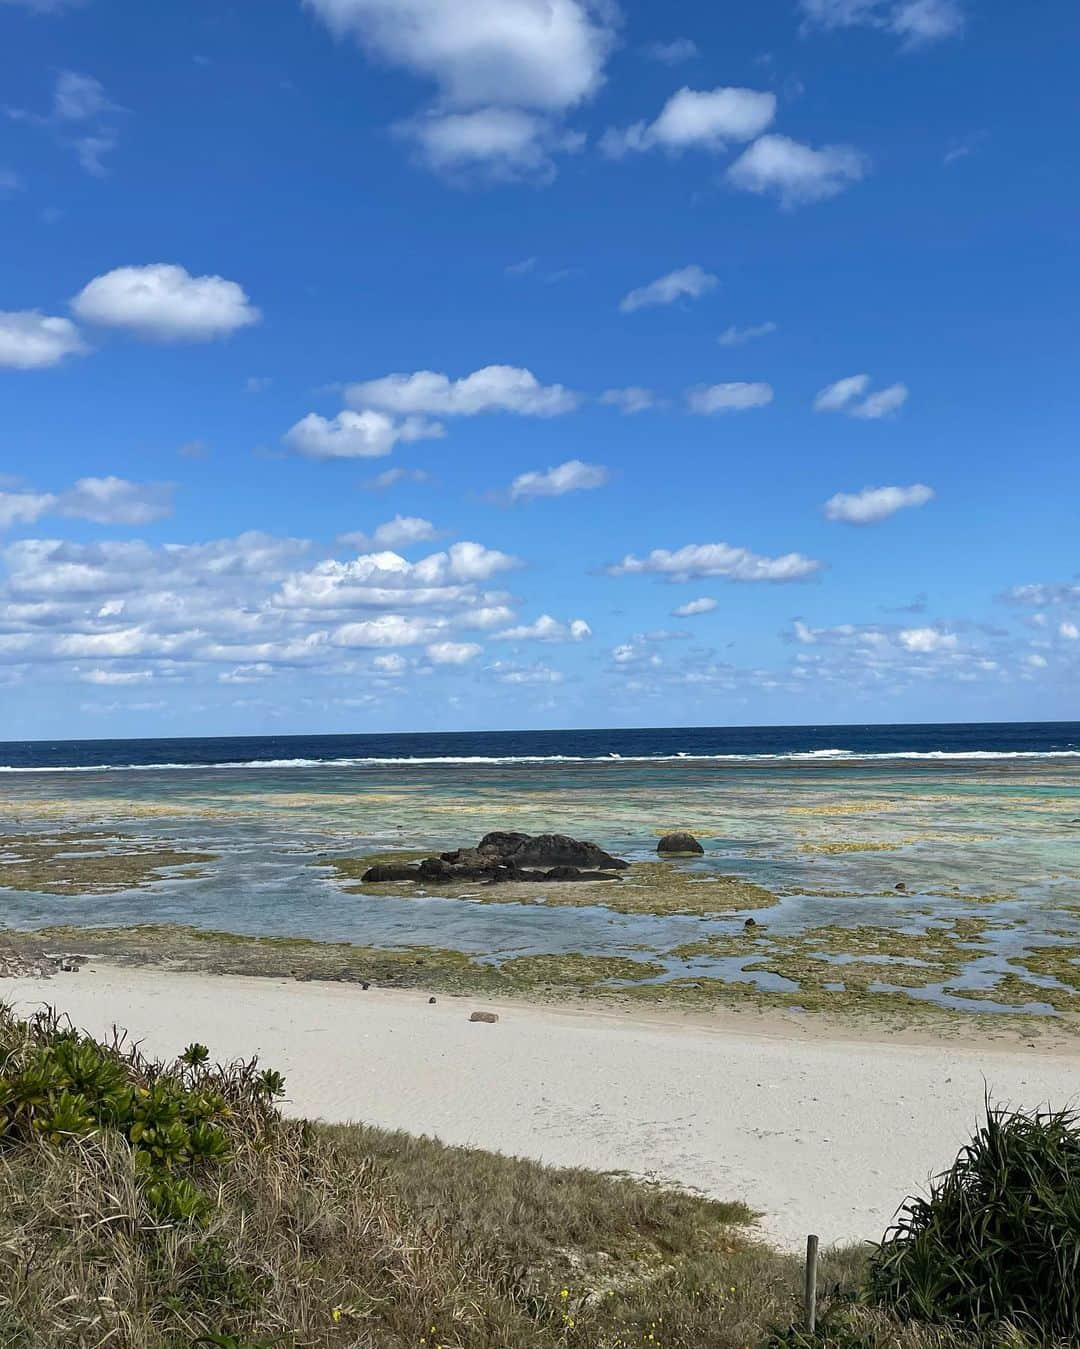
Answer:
(820, 1132)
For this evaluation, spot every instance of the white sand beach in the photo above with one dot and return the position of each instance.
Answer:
(819, 1131)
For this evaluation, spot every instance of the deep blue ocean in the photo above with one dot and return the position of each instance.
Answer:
(962, 740)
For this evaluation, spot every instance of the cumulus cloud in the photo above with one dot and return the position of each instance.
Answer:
(452, 653)
(508, 673)
(24, 508)
(573, 476)
(738, 397)
(924, 640)
(705, 605)
(1045, 594)
(735, 337)
(547, 629)
(512, 52)
(487, 59)
(163, 302)
(495, 388)
(689, 282)
(356, 435)
(104, 501)
(30, 340)
(876, 503)
(706, 119)
(399, 532)
(795, 173)
(500, 143)
(115, 501)
(716, 559)
(915, 21)
(630, 400)
(846, 395)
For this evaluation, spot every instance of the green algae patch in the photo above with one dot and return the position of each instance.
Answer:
(574, 969)
(1011, 990)
(90, 863)
(1054, 962)
(829, 847)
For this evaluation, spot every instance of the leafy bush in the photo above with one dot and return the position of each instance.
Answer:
(998, 1239)
(60, 1086)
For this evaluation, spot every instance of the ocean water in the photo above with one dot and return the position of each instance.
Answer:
(972, 820)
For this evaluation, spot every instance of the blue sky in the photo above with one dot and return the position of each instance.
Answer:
(400, 364)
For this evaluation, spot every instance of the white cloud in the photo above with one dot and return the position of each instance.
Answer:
(707, 119)
(117, 678)
(247, 674)
(399, 532)
(882, 403)
(692, 282)
(573, 476)
(388, 630)
(728, 397)
(356, 435)
(629, 400)
(840, 394)
(508, 673)
(716, 559)
(24, 508)
(876, 503)
(115, 501)
(495, 388)
(452, 653)
(516, 53)
(916, 21)
(735, 337)
(390, 477)
(846, 395)
(443, 581)
(705, 605)
(926, 640)
(78, 98)
(105, 501)
(1070, 631)
(165, 303)
(794, 172)
(1044, 594)
(30, 340)
(673, 53)
(501, 143)
(547, 629)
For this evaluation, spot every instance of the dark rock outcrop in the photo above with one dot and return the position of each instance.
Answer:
(501, 857)
(680, 843)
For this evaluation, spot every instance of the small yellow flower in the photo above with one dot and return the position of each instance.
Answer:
(336, 1313)
(565, 1292)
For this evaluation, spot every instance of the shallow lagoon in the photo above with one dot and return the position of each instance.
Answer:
(997, 839)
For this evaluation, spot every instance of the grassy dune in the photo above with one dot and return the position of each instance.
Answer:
(145, 1206)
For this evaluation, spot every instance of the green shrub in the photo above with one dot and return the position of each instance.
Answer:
(998, 1240)
(60, 1086)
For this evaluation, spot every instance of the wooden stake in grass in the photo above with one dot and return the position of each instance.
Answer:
(811, 1283)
